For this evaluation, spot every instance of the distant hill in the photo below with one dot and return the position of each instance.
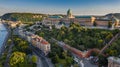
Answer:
(24, 17)
(117, 15)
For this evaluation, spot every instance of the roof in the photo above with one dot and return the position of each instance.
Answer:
(55, 17)
(83, 16)
(114, 59)
(44, 42)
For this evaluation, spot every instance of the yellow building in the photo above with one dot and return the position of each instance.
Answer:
(85, 20)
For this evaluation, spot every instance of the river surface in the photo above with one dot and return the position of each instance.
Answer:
(3, 34)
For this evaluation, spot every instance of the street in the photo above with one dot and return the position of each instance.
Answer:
(44, 61)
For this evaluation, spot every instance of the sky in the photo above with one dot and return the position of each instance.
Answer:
(78, 7)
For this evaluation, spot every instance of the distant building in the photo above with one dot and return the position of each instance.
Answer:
(82, 20)
(85, 20)
(104, 22)
(14, 24)
(113, 62)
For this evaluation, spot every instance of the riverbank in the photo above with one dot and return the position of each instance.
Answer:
(3, 46)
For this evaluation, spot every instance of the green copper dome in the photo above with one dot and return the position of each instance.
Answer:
(69, 12)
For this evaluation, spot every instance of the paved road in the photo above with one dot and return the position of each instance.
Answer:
(41, 56)
(39, 62)
(88, 63)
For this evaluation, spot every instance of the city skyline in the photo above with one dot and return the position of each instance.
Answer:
(79, 7)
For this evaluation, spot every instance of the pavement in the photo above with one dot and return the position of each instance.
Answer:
(87, 63)
(45, 62)
(39, 62)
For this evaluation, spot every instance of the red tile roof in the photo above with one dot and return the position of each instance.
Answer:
(44, 42)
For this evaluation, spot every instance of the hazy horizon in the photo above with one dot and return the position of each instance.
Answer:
(78, 7)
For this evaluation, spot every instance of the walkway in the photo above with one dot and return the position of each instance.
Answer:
(79, 55)
(76, 51)
(45, 62)
(110, 43)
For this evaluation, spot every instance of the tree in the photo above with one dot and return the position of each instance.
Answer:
(41, 34)
(34, 59)
(55, 59)
(16, 58)
(23, 17)
(109, 24)
(69, 61)
(100, 42)
(101, 60)
(94, 23)
(109, 36)
(63, 56)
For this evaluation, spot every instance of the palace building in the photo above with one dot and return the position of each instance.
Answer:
(87, 21)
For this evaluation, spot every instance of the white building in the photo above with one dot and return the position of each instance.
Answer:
(36, 41)
(41, 43)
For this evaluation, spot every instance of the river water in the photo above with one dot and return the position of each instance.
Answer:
(3, 34)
